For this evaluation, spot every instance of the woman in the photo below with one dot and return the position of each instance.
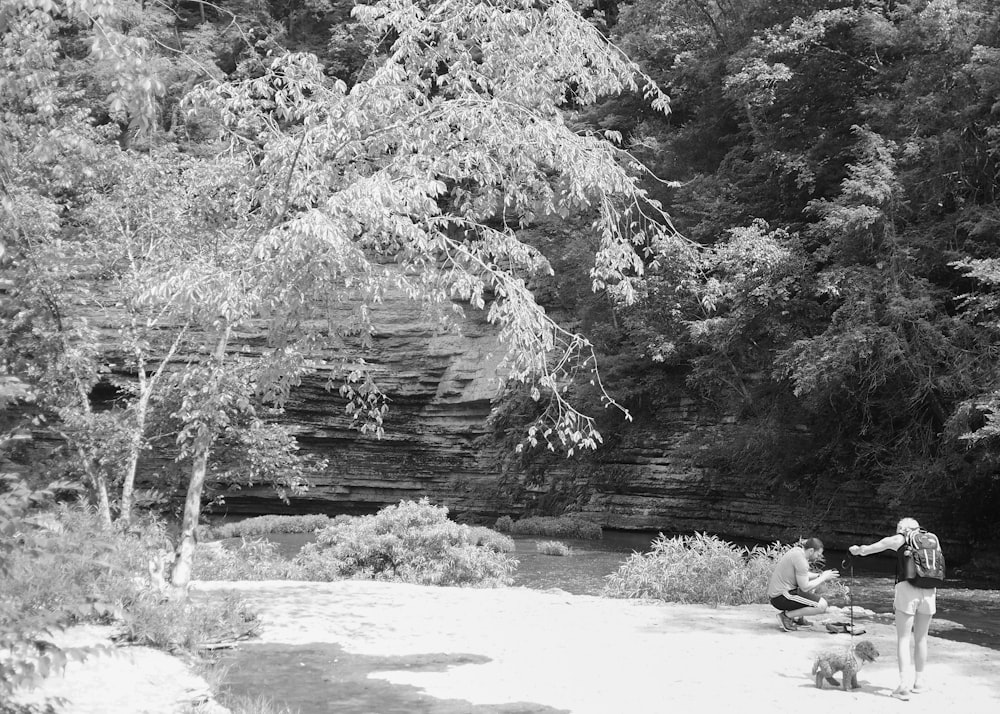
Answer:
(914, 609)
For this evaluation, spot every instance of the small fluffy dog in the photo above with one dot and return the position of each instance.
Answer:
(848, 661)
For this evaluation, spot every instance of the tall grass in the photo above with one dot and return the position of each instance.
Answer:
(262, 525)
(551, 527)
(697, 569)
(553, 547)
(187, 625)
(255, 705)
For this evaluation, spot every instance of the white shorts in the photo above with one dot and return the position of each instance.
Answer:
(910, 599)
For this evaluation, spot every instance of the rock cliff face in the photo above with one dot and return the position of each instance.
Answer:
(438, 444)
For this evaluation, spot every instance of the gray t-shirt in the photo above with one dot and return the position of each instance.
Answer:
(784, 577)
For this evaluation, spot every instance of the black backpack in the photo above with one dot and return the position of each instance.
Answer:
(923, 559)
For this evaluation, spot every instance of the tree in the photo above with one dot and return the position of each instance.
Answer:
(977, 420)
(84, 224)
(416, 179)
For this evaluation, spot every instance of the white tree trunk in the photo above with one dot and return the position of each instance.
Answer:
(184, 557)
(103, 502)
(146, 387)
(135, 450)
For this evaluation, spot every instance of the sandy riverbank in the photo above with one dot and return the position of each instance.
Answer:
(517, 650)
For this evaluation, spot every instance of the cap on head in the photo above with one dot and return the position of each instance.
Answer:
(906, 525)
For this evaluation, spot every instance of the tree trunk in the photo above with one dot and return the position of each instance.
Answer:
(103, 503)
(184, 555)
(97, 478)
(97, 481)
(146, 387)
(135, 450)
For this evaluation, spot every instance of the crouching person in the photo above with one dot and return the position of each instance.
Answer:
(792, 585)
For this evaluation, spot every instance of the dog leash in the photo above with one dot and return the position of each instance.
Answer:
(848, 564)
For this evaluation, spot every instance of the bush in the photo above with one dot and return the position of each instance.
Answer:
(26, 655)
(504, 524)
(78, 569)
(77, 560)
(557, 527)
(553, 547)
(253, 559)
(410, 542)
(187, 624)
(487, 538)
(246, 704)
(697, 569)
(262, 525)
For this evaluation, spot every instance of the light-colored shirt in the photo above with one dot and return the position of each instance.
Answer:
(784, 577)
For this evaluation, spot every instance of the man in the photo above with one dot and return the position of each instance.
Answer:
(792, 585)
(914, 608)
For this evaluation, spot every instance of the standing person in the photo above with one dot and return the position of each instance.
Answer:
(914, 607)
(792, 584)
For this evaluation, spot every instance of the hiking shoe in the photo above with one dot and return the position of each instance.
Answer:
(901, 693)
(802, 622)
(787, 623)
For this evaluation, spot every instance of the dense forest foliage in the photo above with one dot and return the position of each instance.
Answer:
(828, 273)
(838, 162)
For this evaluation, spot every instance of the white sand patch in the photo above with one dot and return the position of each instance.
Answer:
(129, 680)
(591, 655)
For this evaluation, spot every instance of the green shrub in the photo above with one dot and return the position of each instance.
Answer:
(504, 524)
(410, 542)
(26, 656)
(246, 704)
(557, 527)
(186, 624)
(262, 525)
(77, 560)
(488, 538)
(553, 547)
(697, 569)
(253, 559)
(79, 570)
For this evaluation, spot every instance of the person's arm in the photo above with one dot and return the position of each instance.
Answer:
(809, 581)
(892, 542)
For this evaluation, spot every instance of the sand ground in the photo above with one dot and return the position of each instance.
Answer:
(520, 650)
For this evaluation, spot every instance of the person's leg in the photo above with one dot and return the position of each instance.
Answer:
(921, 625)
(797, 604)
(904, 630)
(817, 609)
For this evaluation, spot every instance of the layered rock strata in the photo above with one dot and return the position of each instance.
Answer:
(438, 444)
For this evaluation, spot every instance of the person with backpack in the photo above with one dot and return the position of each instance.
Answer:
(919, 570)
